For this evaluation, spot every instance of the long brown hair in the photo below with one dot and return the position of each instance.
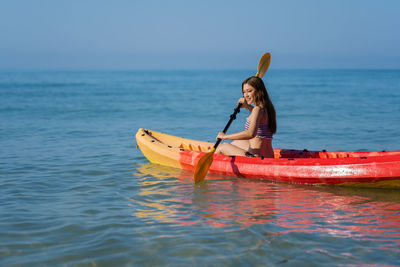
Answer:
(262, 99)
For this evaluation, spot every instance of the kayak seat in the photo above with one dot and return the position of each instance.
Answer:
(194, 147)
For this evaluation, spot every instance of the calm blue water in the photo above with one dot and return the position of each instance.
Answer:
(75, 191)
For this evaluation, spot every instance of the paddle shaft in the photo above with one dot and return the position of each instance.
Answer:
(233, 117)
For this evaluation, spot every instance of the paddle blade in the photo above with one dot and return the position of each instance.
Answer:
(202, 166)
(263, 65)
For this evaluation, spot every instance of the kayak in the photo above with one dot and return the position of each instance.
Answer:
(377, 169)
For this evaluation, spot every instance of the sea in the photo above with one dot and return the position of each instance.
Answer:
(76, 191)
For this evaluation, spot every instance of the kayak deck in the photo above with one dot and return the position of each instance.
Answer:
(201, 146)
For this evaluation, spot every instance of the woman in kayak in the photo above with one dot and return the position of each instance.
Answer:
(256, 139)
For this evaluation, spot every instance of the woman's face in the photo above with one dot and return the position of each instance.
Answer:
(249, 93)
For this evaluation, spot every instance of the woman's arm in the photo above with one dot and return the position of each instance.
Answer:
(246, 134)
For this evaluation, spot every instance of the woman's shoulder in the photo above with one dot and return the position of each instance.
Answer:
(261, 114)
(255, 113)
(259, 111)
(256, 109)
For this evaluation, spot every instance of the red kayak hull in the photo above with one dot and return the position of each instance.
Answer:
(348, 168)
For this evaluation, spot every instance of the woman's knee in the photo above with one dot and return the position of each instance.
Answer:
(229, 149)
(243, 144)
(220, 148)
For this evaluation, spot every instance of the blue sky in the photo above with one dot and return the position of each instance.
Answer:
(51, 34)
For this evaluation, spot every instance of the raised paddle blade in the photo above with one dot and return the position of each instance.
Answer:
(263, 65)
(202, 166)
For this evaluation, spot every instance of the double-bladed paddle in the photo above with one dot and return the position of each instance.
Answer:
(206, 160)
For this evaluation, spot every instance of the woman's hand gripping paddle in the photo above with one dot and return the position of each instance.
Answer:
(206, 160)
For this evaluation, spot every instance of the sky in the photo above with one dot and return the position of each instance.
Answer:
(202, 34)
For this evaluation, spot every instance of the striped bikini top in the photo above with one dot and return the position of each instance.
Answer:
(263, 130)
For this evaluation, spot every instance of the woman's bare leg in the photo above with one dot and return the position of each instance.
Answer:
(231, 150)
(243, 144)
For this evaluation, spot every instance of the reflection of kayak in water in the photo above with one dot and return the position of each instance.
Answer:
(339, 211)
(360, 169)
